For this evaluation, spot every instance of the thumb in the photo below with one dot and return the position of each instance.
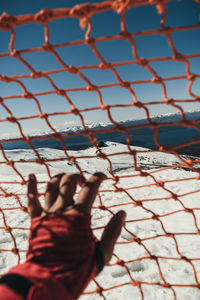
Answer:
(111, 234)
(34, 206)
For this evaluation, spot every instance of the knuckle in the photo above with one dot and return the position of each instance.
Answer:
(31, 196)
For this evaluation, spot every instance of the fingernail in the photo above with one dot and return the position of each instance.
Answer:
(122, 215)
(31, 176)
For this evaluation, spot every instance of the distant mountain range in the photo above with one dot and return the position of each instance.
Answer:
(171, 131)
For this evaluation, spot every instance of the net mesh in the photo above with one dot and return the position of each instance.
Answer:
(123, 185)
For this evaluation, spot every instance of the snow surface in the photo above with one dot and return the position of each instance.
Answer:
(141, 268)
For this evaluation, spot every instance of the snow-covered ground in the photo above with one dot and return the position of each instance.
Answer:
(155, 200)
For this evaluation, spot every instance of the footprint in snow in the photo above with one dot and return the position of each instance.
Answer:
(136, 266)
(119, 271)
(127, 236)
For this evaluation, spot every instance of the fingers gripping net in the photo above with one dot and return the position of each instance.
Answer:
(140, 266)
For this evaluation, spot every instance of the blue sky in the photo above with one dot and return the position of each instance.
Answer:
(180, 13)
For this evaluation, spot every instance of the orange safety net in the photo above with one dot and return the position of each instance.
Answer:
(84, 12)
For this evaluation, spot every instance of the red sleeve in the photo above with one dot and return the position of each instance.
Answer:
(8, 294)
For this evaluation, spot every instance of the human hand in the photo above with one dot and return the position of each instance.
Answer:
(63, 254)
(59, 195)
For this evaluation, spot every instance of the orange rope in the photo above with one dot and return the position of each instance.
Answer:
(84, 12)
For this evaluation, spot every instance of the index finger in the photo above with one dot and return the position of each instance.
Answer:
(89, 192)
